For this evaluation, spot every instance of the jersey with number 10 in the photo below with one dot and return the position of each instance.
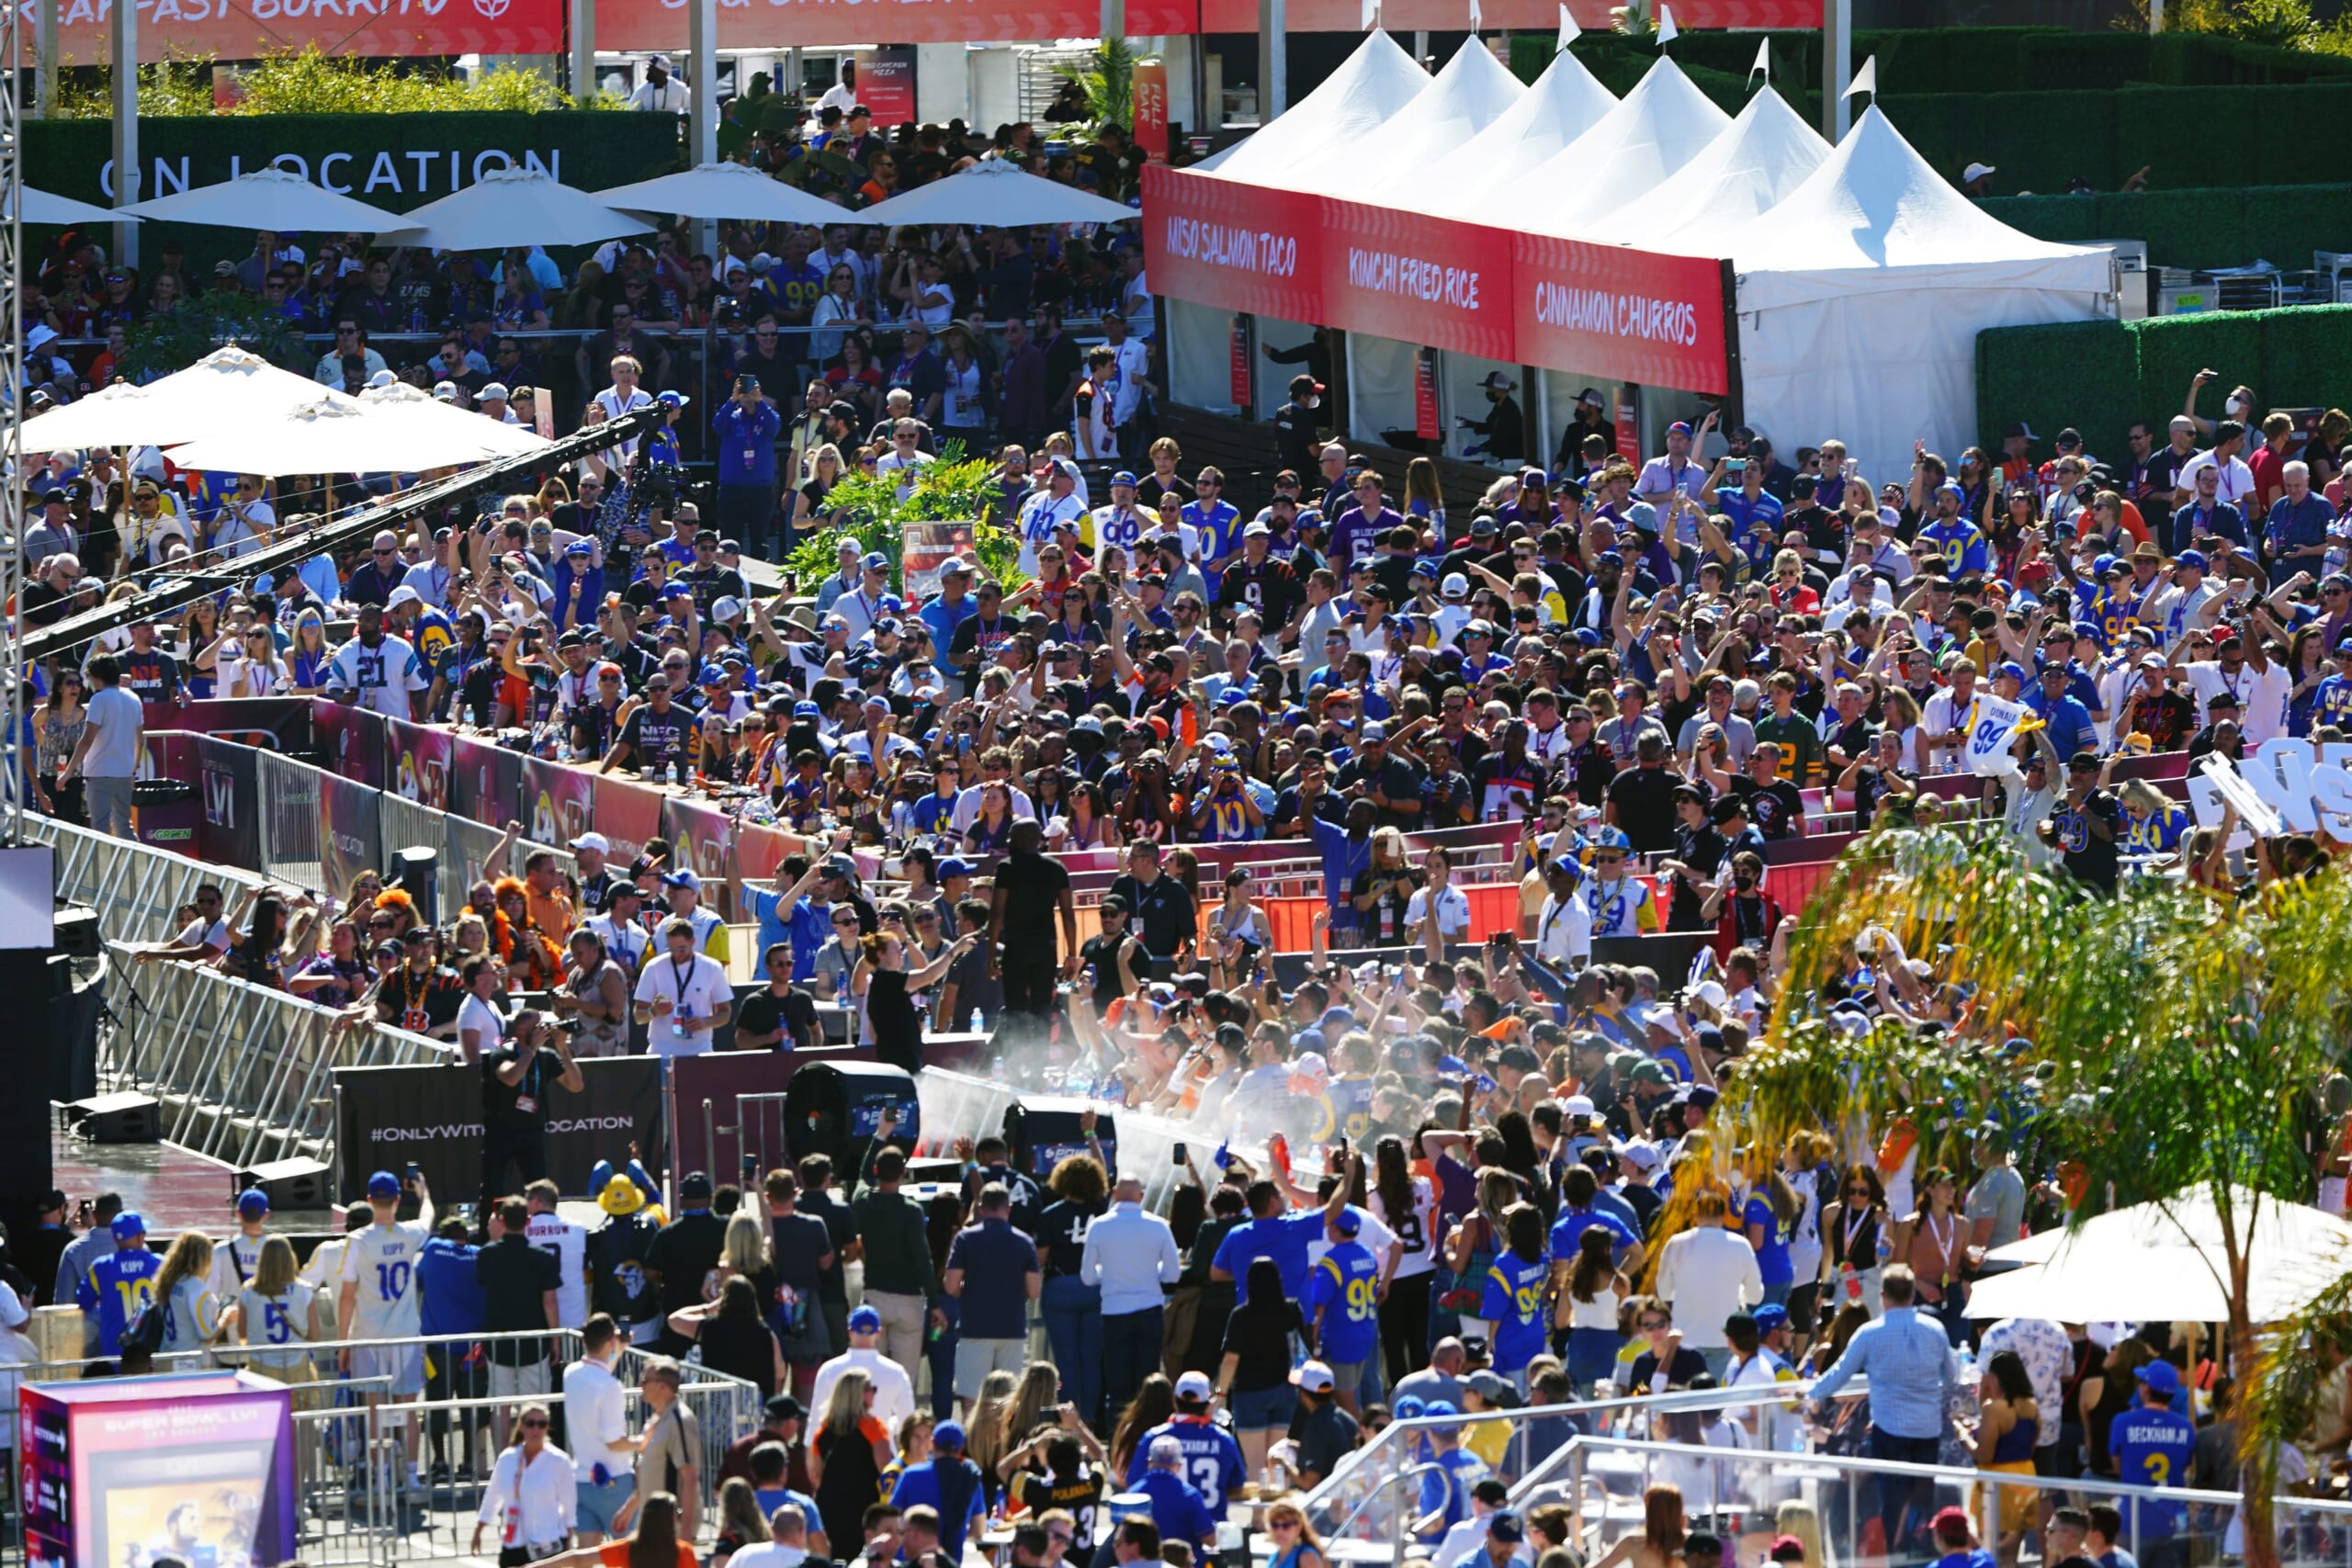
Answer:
(381, 1260)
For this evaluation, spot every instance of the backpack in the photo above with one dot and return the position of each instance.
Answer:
(144, 1333)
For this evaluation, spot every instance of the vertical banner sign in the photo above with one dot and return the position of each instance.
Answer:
(1240, 351)
(1151, 109)
(351, 742)
(1629, 434)
(419, 760)
(486, 781)
(885, 84)
(231, 781)
(562, 801)
(628, 814)
(350, 829)
(1425, 394)
(700, 835)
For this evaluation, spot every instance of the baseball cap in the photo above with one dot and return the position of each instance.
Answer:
(673, 400)
(1165, 1453)
(1349, 1222)
(865, 1320)
(596, 842)
(1315, 1377)
(875, 561)
(252, 1202)
(2012, 668)
(1194, 1388)
(783, 1407)
(1124, 478)
(404, 595)
(383, 1184)
(495, 389)
(2162, 1376)
(1504, 1526)
(2190, 558)
(127, 1224)
(948, 1434)
(696, 1186)
(1770, 1316)
(1975, 172)
(684, 876)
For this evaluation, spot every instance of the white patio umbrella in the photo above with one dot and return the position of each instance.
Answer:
(273, 198)
(393, 430)
(2164, 1262)
(995, 195)
(41, 207)
(517, 206)
(728, 190)
(223, 389)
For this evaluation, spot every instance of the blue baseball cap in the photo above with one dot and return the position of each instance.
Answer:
(2012, 668)
(865, 1320)
(671, 400)
(1344, 1017)
(1770, 1316)
(807, 710)
(1309, 1040)
(2190, 558)
(1426, 567)
(875, 561)
(1948, 488)
(2162, 1376)
(383, 1184)
(1124, 478)
(1349, 1222)
(252, 1202)
(1680, 428)
(126, 1225)
(579, 547)
(948, 1434)
(711, 675)
(954, 865)
(1408, 1407)
(2104, 565)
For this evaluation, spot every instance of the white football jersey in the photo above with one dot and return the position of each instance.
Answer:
(569, 1244)
(381, 1260)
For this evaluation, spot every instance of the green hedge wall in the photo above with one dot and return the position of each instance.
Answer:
(2221, 226)
(1990, 94)
(2100, 376)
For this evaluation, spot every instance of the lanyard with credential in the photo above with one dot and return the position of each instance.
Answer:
(678, 983)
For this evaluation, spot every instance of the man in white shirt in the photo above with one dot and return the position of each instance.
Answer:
(2237, 480)
(626, 942)
(203, 939)
(1678, 469)
(377, 670)
(2241, 668)
(1944, 719)
(662, 92)
(1130, 370)
(378, 1296)
(841, 95)
(531, 1494)
(894, 1391)
(1048, 509)
(568, 1244)
(625, 396)
(481, 1029)
(1708, 1273)
(1563, 928)
(245, 521)
(682, 995)
(595, 1418)
(1130, 1256)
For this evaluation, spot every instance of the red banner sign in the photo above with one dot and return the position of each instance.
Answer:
(1238, 368)
(1495, 293)
(247, 29)
(1641, 317)
(1628, 426)
(777, 24)
(1151, 109)
(1425, 394)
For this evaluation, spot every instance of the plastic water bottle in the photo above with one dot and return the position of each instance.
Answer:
(979, 1025)
(416, 319)
(2336, 554)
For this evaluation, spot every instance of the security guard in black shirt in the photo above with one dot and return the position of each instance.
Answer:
(1298, 425)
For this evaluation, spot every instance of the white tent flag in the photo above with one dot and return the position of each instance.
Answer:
(1865, 80)
(1371, 15)
(1992, 725)
(1569, 31)
(1665, 29)
(1763, 59)
(1476, 16)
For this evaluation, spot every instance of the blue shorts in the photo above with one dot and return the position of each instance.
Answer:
(594, 1505)
(1263, 1409)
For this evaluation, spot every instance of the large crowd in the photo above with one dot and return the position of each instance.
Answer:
(1651, 672)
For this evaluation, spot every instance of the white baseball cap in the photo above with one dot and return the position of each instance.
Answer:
(1975, 172)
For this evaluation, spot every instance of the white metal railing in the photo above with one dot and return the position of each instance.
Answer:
(137, 891)
(244, 1074)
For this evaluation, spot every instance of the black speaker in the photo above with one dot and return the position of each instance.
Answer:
(116, 1119)
(290, 1183)
(77, 931)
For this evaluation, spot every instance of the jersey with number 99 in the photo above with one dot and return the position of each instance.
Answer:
(381, 1260)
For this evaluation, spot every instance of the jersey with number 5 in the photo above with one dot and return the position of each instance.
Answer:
(381, 1260)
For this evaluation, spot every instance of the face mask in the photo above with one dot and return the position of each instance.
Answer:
(1312, 403)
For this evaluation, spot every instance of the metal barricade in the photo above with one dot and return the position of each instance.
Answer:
(137, 891)
(292, 847)
(244, 1074)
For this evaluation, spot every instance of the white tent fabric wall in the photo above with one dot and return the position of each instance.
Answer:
(1759, 158)
(1862, 294)
(1473, 92)
(1198, 340)
(1623, 162)
(1380, 388)
(1471, 180)
(1367, 91)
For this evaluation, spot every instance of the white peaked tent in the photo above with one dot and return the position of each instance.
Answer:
(1465, 182)
(1626, 162)
(226, 388)
(1365, 93)
(1862, 294)
(1471, 93)
(726, 190)
(1761, 158)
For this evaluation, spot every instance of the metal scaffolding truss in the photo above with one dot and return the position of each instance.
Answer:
(12, 373)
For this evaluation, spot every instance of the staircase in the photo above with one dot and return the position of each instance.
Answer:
(1245, 450)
